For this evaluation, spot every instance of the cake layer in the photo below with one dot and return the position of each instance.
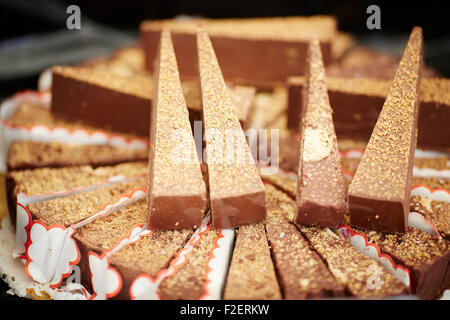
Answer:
(188, 281)
(177, 192)
(362, 276)
(301, 272)
(378, 196)
(235, 189)
(358, 102)
(251, 275)
(278, 44)
(121, 103)
(320, 197)
(150, 255)
(103, 234)
(49, 180)
(426, 257)
(24, 155)
(77, 207)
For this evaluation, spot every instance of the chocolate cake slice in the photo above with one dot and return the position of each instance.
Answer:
(74, 208)
(103, 234)
(188, 281)
(251, 275)
(235, 189)
(301, 272)
(362, 276)
(379, 193)
(320, 198)
(102, 99)
(426, 257)
(278, 44)
(177, 192)
(24, 155)
(49, 180)
(358, 102)
(150, 255)
(121, 103)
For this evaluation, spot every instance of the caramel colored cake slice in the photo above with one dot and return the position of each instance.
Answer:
(236, 191)
(177, 192)
(278, 44)
(251, 275)
(189, 280)
(104, 233)
(77, 207)
(149, 255)
(321, 198)
(438, 212)
(24, 155)
(301, 272)
(352, 268)
(426, 257)
(379, 192)
(49, 180)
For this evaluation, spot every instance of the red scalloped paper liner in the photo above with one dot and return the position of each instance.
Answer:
(125, 240)
(41, 95)
(175, 264)
(107, 208)
(212, 256)
(395, 266)
(29, 260)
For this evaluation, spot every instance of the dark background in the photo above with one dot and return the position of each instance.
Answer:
(33, 33)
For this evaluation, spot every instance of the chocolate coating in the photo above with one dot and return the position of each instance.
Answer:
(380, 190)
(235, 188)
(321, 198)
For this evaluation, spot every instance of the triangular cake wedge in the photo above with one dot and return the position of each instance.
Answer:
(236, 191)
(321, 198)
(379, 192)
(177, 192)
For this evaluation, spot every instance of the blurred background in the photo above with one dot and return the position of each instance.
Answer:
(33, 33)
